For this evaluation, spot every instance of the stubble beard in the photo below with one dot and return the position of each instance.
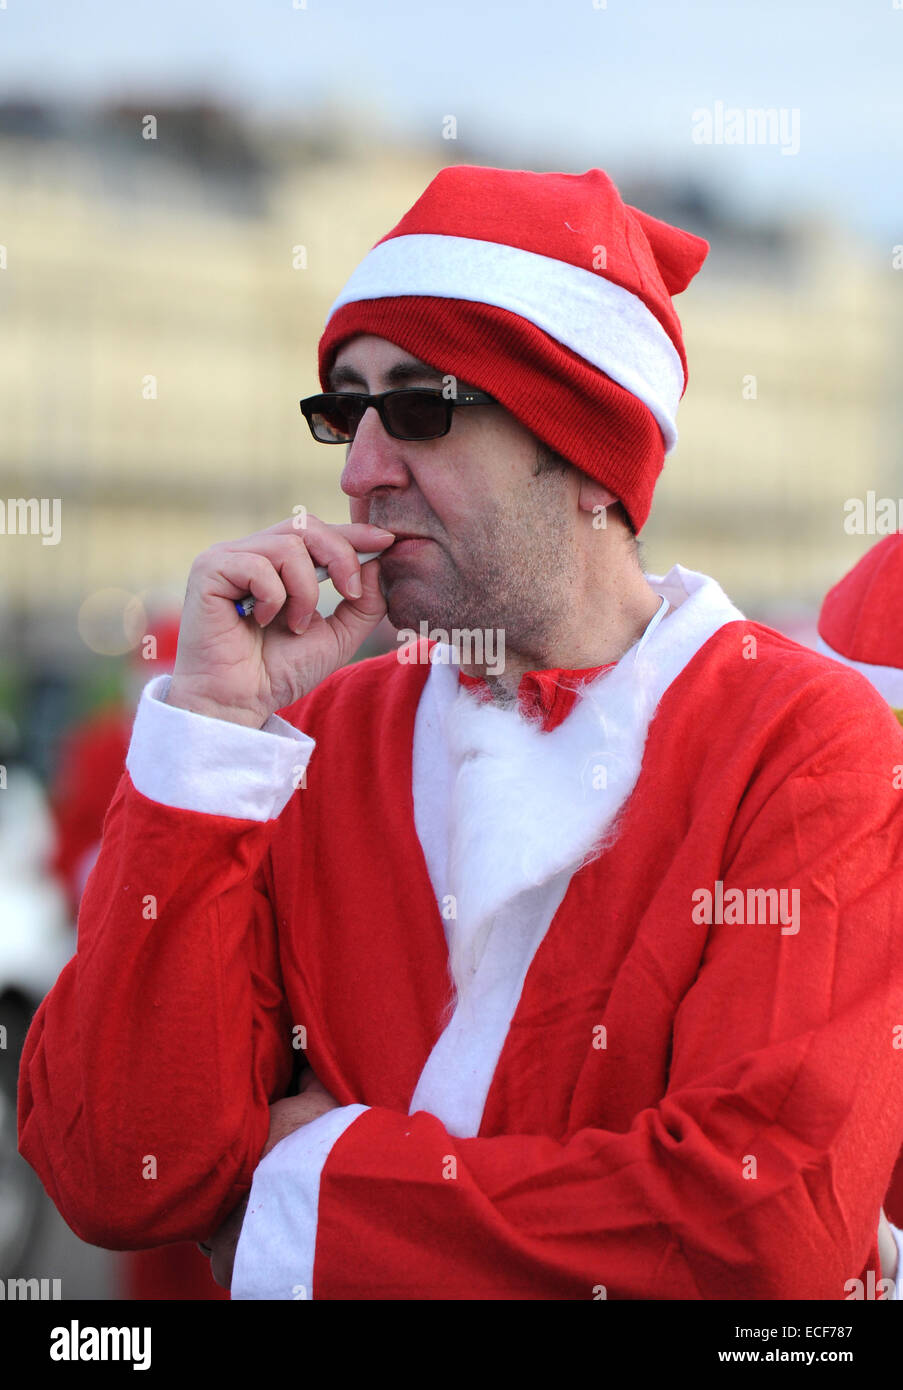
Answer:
(512, 576)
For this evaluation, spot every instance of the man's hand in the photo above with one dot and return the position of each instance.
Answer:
(285, 1117)
(244, 669)
(290, 1114)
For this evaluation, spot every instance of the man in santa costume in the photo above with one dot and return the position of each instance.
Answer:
(595, 959)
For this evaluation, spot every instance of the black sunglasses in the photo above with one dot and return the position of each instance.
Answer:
(415, 412)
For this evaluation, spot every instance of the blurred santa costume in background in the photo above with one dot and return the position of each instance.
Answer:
(859, 624)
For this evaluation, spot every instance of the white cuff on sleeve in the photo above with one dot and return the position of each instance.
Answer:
(898, 1238)
(275, 1254)
(194, 763)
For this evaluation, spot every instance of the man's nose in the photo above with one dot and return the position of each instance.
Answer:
(373, 458)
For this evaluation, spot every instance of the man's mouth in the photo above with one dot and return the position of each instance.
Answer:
(401, 535)
(406, 544)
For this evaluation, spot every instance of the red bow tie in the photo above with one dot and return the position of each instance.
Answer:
(548, 696)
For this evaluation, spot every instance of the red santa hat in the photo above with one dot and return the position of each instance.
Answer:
(551, 294)
(859, 622)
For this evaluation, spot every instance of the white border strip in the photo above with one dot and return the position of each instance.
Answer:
(607, 325)
(887, 680)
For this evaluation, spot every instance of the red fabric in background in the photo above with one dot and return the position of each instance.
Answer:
(177, 1272)
(90, 763)
(859, 615)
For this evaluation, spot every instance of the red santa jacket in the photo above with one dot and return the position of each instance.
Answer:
(682, 1108)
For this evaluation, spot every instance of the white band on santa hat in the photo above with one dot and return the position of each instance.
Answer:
(605, 324)
(887, 680)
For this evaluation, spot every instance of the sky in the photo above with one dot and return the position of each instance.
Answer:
(575, 83)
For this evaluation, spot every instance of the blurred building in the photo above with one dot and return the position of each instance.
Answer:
(792, 336)
(162, 300)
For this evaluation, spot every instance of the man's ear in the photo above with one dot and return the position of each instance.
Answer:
(593, 494)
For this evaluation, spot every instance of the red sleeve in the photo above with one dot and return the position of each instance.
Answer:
(761, 1172)
(154, 1058)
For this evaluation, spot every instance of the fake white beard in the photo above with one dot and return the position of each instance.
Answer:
(527, 804)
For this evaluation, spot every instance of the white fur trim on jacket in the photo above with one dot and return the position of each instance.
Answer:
(525, 813)
(277, 1245)
(195, 763)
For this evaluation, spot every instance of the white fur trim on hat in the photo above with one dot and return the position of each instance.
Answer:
(607, 325)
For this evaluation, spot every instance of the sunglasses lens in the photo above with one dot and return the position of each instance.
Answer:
(336, 419)
(414, 415)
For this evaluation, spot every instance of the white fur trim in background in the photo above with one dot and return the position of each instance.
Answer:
(887, 680)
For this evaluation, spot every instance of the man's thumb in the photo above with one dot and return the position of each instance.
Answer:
(354, 619)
